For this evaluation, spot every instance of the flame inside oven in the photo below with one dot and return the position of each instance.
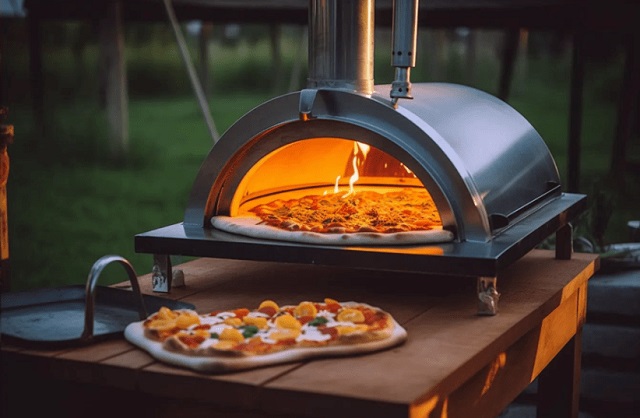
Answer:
(321, 166)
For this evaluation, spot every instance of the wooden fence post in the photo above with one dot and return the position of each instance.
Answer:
(115, 78)
(203, 43)
(36, 77)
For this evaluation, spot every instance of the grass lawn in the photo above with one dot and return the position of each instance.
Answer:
(67, 209)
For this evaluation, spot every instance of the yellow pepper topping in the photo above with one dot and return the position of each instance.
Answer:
(288, 321)
(233, 321)
(225, 345)
(330, 301)
(166, 313)
(269, 304)
(257, 321)
(186, 319)
(231, 334)
(284, 334)
(350, 315)
(161, 324)
(348, 329)
(305, 309)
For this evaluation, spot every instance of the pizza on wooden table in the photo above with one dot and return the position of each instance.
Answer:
(265, 334)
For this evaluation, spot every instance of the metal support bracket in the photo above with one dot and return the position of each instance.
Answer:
(488, 296)
(305, 107)
(163, 277)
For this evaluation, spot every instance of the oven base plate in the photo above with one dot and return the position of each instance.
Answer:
(468, 258)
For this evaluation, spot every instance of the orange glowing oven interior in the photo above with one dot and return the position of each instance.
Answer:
(321, 166)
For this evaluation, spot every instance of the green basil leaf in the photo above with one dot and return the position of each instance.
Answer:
(319, 320)
(249, 331)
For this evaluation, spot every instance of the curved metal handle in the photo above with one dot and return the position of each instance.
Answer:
(90, 290)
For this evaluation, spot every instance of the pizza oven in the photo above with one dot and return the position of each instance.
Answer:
(491, 176)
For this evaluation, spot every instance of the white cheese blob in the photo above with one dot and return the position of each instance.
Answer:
(211, 320)
(218, 328)
(266, 338)
(311, 333)
(209, 342)
(256, 314)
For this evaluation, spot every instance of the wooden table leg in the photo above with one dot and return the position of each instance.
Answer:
(559, 382)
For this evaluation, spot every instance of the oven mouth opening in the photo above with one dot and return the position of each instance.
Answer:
(325, 166)
(345, 180)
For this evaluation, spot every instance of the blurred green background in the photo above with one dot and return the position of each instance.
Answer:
(71, 202)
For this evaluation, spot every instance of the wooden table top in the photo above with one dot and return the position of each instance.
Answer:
(448, 342)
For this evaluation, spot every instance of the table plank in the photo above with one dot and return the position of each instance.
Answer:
(237, 390)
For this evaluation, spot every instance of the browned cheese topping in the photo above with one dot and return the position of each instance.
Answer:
(367, 211)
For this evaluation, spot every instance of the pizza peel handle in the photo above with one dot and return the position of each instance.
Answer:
(90, 291)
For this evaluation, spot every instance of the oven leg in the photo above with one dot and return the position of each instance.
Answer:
(487, 296)
(163, 277)
(564, 242)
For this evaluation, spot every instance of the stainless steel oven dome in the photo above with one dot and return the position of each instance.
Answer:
(482, 162)
(490, 174)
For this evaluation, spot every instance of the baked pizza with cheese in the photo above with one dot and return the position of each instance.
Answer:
(405, 216)
(266, 334)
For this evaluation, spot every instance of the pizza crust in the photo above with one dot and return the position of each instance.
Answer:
(252, 227)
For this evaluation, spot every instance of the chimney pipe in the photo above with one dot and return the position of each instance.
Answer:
(341, 44)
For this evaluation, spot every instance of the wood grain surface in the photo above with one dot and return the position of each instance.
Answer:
(453, 362)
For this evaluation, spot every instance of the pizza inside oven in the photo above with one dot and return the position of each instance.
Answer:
(333, 191)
